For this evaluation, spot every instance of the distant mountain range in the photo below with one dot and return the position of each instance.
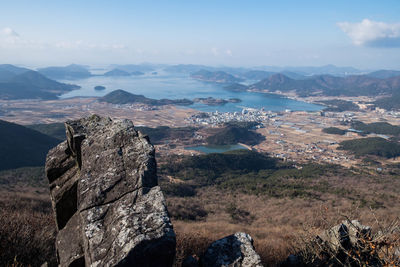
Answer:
(261, 74)
(376, 83)
(21, 83)
(138, 73)
(257, 72)
(131, 68)
(8, 71)
(119, 72)
(187, 68)
(354, 85)
(123, 97)
(21, 146)
(383, 74)
(69, 72)
(216, 77)
(314, 70)
(192, 68)
(257, 75)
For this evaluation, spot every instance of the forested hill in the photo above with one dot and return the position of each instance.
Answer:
(123, 97)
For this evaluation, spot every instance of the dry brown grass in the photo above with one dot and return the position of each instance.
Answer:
(279, 222)
(27, 230)
(191, 244)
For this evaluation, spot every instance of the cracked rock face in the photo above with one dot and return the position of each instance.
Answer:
(234, 251)
(103, 185)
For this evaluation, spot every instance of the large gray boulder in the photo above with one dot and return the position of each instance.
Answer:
(346, 235)
(109, 210)
(236, 250)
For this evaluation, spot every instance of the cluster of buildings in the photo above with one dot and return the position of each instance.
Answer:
(318, 151)
(215, 118)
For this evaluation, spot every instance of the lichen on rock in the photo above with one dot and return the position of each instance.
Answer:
(236, 250)
(103, 185)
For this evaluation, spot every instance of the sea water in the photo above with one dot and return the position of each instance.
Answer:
(176, 86)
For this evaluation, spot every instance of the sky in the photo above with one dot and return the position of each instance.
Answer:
(363, 34)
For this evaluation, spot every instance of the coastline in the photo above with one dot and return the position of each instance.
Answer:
(316, 100)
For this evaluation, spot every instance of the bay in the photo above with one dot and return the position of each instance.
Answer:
(176, 86)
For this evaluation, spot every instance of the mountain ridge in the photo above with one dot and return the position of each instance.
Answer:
(72, 71)
(20, 83)
(353, 85)
(215, 76)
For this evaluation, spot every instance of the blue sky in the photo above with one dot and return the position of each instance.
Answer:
(364, 34)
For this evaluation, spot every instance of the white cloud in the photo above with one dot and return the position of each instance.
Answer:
(372, 33)
(79, 44)
(11, 39)
(228, 52)
(9, 36)
(9, 32)
(221, 52)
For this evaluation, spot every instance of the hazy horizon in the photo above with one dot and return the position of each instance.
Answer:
(360, 34)
(272, 68)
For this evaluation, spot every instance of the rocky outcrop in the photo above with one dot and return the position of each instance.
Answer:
(109, 210)
(234, 251)
(346, 235)
(347, 244)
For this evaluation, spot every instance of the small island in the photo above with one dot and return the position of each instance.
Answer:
(137, 73)
(116, 72)
(99, 88)
(123, 97)
(210, 101)
(215, 77)
(234, 100)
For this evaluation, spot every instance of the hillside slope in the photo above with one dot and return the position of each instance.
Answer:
(21, 146)
(19, 83)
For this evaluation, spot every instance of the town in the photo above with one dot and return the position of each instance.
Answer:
(297, 135)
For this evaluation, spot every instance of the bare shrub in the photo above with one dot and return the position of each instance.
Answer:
(27, 232)
(239, 215)
(191, 244)
(186, 210)
(378, 248)
(178, 189)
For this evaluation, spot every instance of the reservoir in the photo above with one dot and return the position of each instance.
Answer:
(207, 149)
